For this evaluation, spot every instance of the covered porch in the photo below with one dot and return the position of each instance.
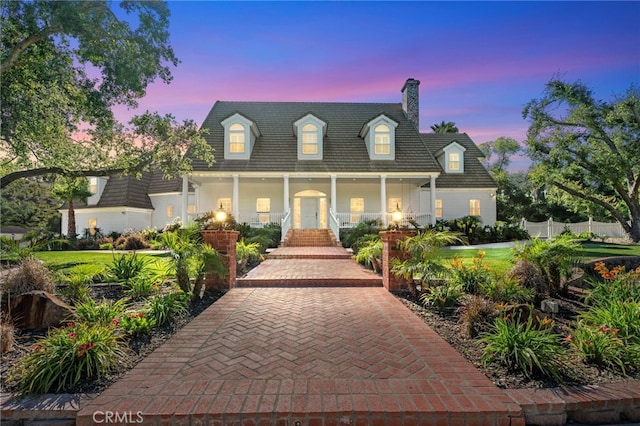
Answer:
(313, 200)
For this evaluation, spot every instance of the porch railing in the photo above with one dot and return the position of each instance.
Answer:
(349, 220)
(259, 220)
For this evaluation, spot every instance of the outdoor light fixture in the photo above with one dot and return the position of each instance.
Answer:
(221, 215)
(397, 216)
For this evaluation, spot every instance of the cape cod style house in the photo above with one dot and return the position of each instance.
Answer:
(309, 165)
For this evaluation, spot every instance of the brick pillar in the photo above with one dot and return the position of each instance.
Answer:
(225, 244)
(390, 250)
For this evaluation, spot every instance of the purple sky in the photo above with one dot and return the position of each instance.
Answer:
(479, 63)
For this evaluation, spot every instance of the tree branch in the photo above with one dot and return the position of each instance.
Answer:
(17, 50)
(7, 179)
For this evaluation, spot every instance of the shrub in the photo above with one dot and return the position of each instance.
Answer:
(599, 345)
(616, 285)
(247, 252)
(31, 274)
(165, 309)
(471, 278)
(354, 237)
(77, 287)
(142, 285)
(7, 334)
(507, 289)
(135, 242)
(442, 297)
(519, 345)
(135, 323)
(103, 313)
(126, 266)
(370, 252)
(477, 313)
(68, 355)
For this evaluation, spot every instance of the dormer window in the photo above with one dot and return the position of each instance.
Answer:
(240, 134)
(451, 158)
(379, 135)
(310, 131)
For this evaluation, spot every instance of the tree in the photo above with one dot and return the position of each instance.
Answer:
(448, 127)
(28, 203)
(68, 189)
(589, 148)
(63, 67)
(502, 149)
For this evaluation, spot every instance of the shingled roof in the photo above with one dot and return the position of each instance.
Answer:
(475, 175)
(127, 191)
(275, 150)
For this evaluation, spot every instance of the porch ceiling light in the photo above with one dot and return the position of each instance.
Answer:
(396, 215)
(221, 215)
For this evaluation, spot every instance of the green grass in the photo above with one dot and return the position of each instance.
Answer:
(500, 259)
(83, 262)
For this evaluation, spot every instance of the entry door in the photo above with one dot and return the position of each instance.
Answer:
(309, 210)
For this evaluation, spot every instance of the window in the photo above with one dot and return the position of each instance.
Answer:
(438, 208)
(393, 204)
(382, 144)
(309, 139)
(236, 138)
(191, 208)
(170, 210)
(474, 207)
(93, 185)
(356, 207)
(93, 225)
(263, 208)
(454, 161)
(225, 203)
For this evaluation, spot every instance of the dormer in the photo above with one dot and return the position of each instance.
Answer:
(310, 131)
(451, 158)
(379, 135)
(240, 135)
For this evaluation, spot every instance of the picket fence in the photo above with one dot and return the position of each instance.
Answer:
(549, 228)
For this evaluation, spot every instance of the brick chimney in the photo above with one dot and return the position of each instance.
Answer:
(411, 101)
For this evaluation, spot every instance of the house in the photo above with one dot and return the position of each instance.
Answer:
(309, 165)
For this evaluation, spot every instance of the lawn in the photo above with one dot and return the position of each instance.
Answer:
(85, 262)
(500, 259)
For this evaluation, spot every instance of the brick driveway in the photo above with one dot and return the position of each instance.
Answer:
(306, 356)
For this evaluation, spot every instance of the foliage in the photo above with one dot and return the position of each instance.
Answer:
(77, 286)
(553, 260)
(142, 285)
(507, 289)
(267, 236)
(616, 285)
(602, 345)
(588, 149)
(445, 127)
(31, 274)
(68, 355)
(69, 189)
(442, 296)
(472, 278)
(10, 250)
(136, 323)
(422, 260)
(164, 309)
(51, 53)
(370, 252)
(354, 237)
(28, 203)
(476, 314)
(103, 313)
(208, 220)
(247, 252)
(131, 241)
(126, 266)
(518, 344)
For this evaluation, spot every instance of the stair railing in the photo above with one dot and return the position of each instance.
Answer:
(285, 224)
(334, 224)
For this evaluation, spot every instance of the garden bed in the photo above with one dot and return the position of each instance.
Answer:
(450, 327)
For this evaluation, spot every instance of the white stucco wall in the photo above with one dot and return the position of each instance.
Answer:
(161, 202)
(115, 219)
(455, 202)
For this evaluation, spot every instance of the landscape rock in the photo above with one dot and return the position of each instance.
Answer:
(38, 310)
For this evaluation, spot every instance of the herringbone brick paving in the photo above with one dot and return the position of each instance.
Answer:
(307, 355)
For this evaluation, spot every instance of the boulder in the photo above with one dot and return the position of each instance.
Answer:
(38, 310)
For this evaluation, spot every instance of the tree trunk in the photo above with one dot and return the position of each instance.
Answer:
(634, 231)
(71, 226)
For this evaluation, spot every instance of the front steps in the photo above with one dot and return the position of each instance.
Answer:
(310, 258)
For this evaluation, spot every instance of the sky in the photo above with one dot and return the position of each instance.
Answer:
(479, 63)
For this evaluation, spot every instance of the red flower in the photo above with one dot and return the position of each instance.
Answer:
(80, 352)
(71, 324)
(614, 330)
(569, 338)
(73, 335)
(604, 329)
(115, 321)
(37, 348)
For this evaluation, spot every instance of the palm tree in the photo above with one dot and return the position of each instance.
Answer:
(445, 127)
(68, 189)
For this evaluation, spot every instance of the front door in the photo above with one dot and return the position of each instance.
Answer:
(309, 212)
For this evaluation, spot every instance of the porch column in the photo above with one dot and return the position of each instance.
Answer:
(286, 193)
(432, 185)
(235, 201)
(383, 199)
(334, 200)
(184, 201)
(197, 196)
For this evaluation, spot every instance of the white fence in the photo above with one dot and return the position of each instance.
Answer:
(550, 228)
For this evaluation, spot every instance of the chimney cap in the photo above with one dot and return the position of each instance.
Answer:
(410, 81)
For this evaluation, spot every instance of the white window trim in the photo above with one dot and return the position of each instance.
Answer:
(321, 127)
(251, 132)
(369, 135)
(452, 148)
